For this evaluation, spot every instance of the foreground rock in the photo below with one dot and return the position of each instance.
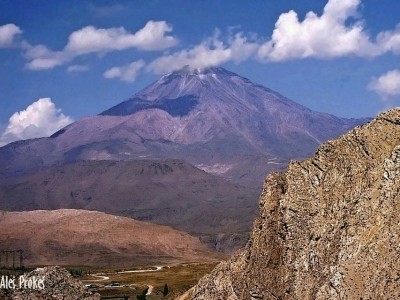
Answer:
(58, 284)
(328, 227)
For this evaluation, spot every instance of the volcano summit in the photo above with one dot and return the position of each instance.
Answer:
(214, 119)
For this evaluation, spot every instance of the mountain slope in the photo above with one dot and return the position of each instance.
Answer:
(213, 118)
(167, 192)
(328, 227)
(87, 238)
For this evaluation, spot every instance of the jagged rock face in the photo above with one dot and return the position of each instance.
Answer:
(58, 284)
(328, 227)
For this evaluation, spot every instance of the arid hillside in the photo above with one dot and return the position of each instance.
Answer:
(166, 192)
(86, 238)
(328, 227)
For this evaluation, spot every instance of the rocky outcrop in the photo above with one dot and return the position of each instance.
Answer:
(328, 227)
(57, 283)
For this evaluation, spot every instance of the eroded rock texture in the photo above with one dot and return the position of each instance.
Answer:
(328, 227)
(58, 284)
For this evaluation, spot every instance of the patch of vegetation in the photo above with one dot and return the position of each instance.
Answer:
(78, 273)
(142, 296)
(165, 290)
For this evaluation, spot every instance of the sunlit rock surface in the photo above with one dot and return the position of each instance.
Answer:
(328, 227)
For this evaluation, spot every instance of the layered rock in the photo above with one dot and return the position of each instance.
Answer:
(328, 227)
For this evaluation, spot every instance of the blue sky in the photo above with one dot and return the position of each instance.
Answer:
(64, 60)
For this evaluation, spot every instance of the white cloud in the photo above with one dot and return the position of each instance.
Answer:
(387, 85)
(39, 119)
(209, 53)
(324, 36)
(390, 40)
(153, 36)
(8, 33)
(338, 32)
(78, 68)
(125, 73)
(42, 58)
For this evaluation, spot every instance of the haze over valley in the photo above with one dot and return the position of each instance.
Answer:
(143, 157)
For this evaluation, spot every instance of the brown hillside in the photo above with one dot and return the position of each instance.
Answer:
(165, 192)
(76, 238)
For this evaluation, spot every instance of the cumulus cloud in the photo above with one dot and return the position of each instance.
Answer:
(325, 36)
(209, 53)
(339, 31)
(387, 85)
(155, 35)
(39, 119)
(42, 58)
(125, 73)
(389, 41)
(8, 33)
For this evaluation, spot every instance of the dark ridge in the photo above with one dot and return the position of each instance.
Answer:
(177, 107)
(58, 133)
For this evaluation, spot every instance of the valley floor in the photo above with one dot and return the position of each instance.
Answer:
(146, 280)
